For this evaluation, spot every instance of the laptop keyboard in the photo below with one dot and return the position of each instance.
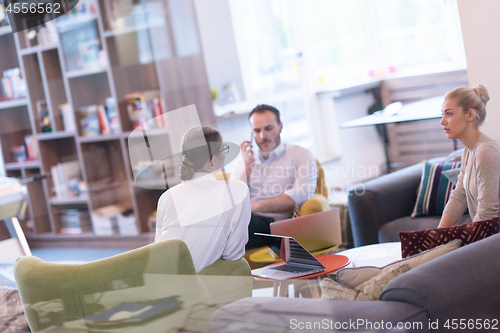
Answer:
(292, 269)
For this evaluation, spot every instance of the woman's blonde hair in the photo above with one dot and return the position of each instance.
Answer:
(471, 98)
(198, 146)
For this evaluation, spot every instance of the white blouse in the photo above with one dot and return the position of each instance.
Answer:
(210, 216)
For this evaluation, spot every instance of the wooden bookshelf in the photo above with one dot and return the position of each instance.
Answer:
(133, 58)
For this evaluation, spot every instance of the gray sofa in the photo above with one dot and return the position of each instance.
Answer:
(383, 209)
(462, 284)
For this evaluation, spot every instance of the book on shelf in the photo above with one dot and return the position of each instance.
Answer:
(68, 117)
(31, 148)
(103, 120)
(66, 178)
(112, 114)
(100, 119)
(12, 85)
(89, 120)
(74, 221)
(144, 106)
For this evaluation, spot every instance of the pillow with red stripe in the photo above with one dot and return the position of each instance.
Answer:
(419, 241)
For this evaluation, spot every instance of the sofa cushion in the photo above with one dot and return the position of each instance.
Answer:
(434, 190)
(352, 277)
(280, 314)
(461, 284)
(389, 232)
(418, 241)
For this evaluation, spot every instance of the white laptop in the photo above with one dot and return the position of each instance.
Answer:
(298, 261)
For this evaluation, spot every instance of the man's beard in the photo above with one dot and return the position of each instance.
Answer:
(276, 143)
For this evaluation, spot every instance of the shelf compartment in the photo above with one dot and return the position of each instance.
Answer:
(8, 53)
(132, 66)
(38, 203)
(15, 125)
(88, 90)
(107, 182)
(55, 85)
(147, 202)
(57, 151)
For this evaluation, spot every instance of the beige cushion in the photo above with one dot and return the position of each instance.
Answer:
(353, 277)
(367, 291)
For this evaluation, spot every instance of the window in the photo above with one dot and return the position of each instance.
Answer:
(353, 41)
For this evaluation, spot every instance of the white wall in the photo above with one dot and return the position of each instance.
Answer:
(218, 43)
(362, 151)
(480, 20)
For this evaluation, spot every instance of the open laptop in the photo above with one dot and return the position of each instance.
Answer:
(314, 232)
(298, 261)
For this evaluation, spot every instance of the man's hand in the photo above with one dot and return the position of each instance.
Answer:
(248, 157)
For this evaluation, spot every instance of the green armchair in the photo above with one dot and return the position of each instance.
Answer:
(63, 296)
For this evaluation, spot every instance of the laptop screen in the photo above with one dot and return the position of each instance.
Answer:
(289, 250)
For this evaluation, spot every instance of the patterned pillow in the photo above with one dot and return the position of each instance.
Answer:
(434, 190)
(367, 291)
(418, 241)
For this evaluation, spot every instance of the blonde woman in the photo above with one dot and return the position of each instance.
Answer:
(464, 110)
(210, 216)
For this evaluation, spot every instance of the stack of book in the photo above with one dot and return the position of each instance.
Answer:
(74, 221)
(66, 179)
(144, 106)
(100, 119)
(12, 85)
(112, 220)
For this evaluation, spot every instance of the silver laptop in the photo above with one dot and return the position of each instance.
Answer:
(314, 232)
(298, 261)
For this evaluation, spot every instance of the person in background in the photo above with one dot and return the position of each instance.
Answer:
(478, 186)
(210, 216)
(281, 176)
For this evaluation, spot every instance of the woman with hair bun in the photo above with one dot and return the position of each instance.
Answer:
(478, 186)
(210, 216)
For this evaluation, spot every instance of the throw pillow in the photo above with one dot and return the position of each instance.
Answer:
(372, 289)
(352, 277)
(367, 291)
(452, 175)
(417, 241)
(434, 190)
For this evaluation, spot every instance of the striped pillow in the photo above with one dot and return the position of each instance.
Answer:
(434, 190)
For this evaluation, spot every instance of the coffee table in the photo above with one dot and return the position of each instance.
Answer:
(378, 255)
(311, 282)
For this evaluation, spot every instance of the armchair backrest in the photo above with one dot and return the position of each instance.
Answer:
(73, 292)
